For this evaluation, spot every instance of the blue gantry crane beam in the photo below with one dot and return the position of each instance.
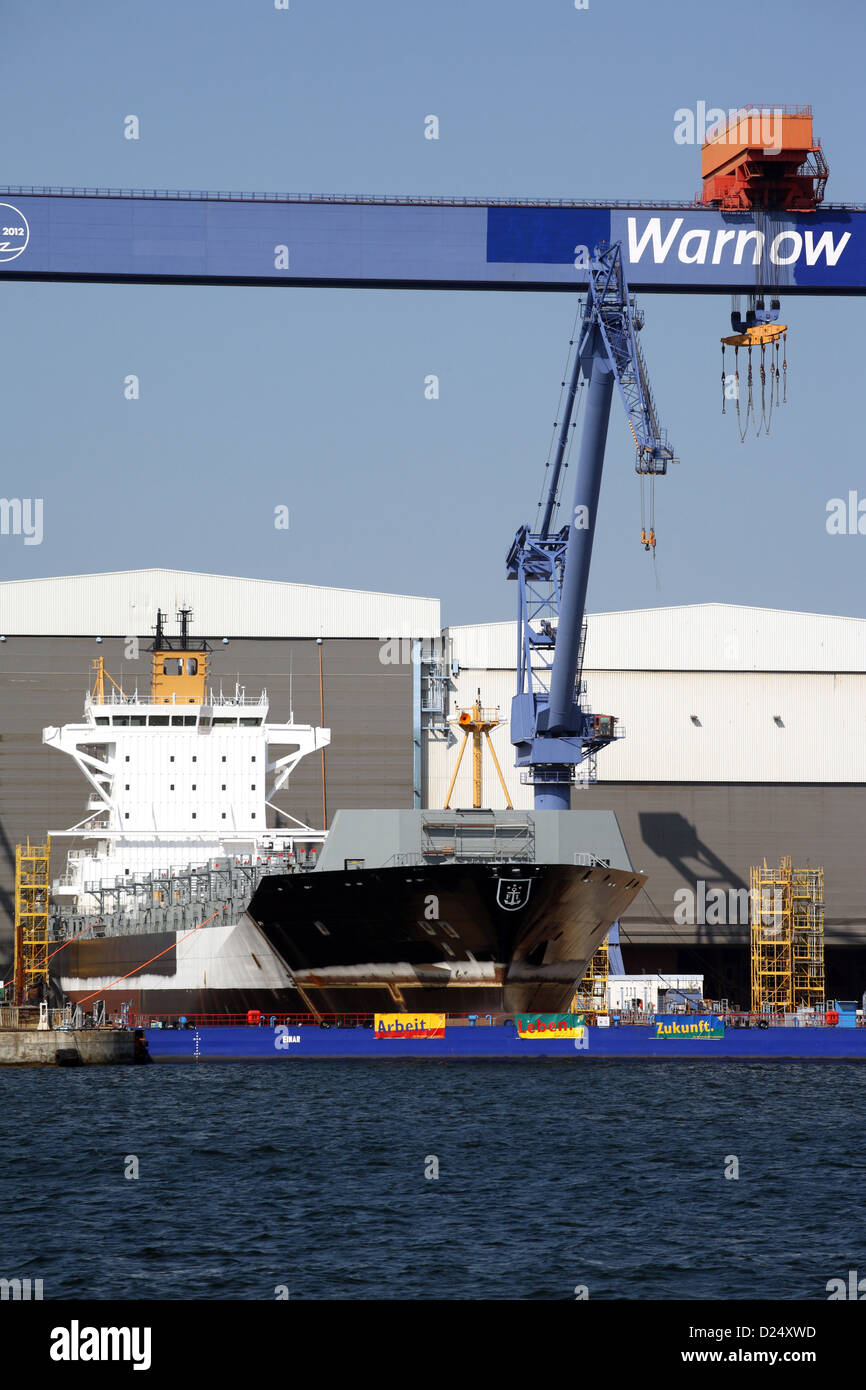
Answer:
(139, 236)
(553, 733)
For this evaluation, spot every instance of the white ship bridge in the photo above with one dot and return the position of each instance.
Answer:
(180, 779)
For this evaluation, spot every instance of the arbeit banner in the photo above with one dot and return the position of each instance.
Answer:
(404, 1026)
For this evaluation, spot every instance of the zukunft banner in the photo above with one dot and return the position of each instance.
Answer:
(685, 1026)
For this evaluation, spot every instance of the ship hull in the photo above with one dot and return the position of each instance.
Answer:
(452, 938)
(218, 970)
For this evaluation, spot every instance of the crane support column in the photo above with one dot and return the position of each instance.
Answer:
(555, 796)
(579, 552)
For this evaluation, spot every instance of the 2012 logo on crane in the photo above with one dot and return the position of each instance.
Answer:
(14, 232)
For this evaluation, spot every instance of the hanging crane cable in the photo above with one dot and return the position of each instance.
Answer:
(648, 537)
(767, 413)
(757, 330)
(562, 406)
(578, 402)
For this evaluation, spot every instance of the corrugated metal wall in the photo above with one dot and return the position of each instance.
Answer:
(682, 835)
(368, 707)
(821, 738)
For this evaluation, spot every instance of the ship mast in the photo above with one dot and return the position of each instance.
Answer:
(478, 722)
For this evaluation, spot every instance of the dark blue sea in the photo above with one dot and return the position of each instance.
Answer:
(257, 1180)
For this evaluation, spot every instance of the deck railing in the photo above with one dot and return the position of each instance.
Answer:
(732, 1019)
(374, 199)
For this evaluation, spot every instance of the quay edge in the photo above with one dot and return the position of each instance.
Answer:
(76, 1047)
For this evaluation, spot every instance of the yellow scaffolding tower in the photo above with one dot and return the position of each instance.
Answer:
(590, 998)
(32, 888)
(787, 937)
(807, 932)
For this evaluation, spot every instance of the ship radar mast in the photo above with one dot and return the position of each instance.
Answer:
(180, 664)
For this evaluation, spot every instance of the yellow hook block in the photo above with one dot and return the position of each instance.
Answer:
(759, 336)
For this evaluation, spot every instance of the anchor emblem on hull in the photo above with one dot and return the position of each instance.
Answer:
(516, 894)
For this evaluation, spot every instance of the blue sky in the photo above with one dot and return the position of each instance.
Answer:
(315, 398)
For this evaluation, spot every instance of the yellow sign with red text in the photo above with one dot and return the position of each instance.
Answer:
(404, 1026)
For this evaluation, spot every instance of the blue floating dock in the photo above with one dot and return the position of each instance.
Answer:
(281, 1044)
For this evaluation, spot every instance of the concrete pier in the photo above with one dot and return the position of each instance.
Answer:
(82, 1046)
(24, 1041)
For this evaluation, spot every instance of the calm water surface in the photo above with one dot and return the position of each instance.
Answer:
(312, 1176)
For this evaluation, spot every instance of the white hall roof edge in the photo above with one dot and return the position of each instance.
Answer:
(124, 603)
(689, 637)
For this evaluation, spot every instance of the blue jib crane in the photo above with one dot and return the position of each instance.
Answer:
(551, 731)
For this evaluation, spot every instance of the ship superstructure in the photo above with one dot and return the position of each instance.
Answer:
(178, 779)
(176, 832)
